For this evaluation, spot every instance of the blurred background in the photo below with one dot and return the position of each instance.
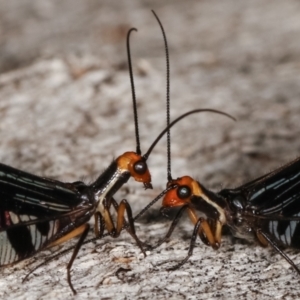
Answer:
(65, 111)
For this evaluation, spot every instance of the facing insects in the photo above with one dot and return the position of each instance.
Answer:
(265, 210)
(38, 213)
(120, 224)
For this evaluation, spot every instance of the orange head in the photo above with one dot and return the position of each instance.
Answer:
(181, 195)
(136, 165)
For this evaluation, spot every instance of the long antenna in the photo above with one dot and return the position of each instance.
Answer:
(146, 155)
(136, 123)
(167, 96)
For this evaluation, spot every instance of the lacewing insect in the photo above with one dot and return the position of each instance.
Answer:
(265, 209)
(38, 213)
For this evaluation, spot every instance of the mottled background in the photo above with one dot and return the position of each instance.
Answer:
(65, 112)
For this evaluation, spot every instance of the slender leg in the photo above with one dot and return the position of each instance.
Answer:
(212, 238)
(260, 234)
(106, 221)
(203, 229)
(99, 225)
(83, 231)
(203, 237)
(121, 222)
(54, 257)
(75, 252)
(130, 227)
(172, 227)
(48, 260)
(174, 224)
(191, 248)
(109, 225)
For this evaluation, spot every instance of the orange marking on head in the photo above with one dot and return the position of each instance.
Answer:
(173, 199)
(128, 160)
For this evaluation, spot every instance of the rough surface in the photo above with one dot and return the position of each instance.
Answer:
(65, 112)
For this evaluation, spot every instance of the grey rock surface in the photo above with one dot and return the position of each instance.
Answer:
(65, 112)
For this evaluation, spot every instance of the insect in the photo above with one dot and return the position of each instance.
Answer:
(38, 213)
(265, 210)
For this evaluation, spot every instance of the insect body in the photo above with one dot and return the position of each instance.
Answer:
(37, 213)
(265, 209)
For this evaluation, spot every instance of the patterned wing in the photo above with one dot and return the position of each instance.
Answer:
(35, 211)
(272, 202)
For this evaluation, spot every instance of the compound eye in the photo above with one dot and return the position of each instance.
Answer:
(140, 167)
(183, 192)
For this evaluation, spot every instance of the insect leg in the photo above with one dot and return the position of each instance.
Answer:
(99, 225)
(84, 234)
(209, 233)
(215, 227)
(105, 220)
(262, 235)
(201, 232)
(108, 222)
(192, 245)
(121, 222)
(172, 227)
(203, 237)
(82, 231)
(203, 229)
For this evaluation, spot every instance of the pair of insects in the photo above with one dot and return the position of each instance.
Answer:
(38, 213)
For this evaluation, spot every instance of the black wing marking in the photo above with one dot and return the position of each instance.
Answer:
(277, 193)
(284, 230)
(36, 211)
(278, 196)
(272, 203)
(24, 193)
(18, 243)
